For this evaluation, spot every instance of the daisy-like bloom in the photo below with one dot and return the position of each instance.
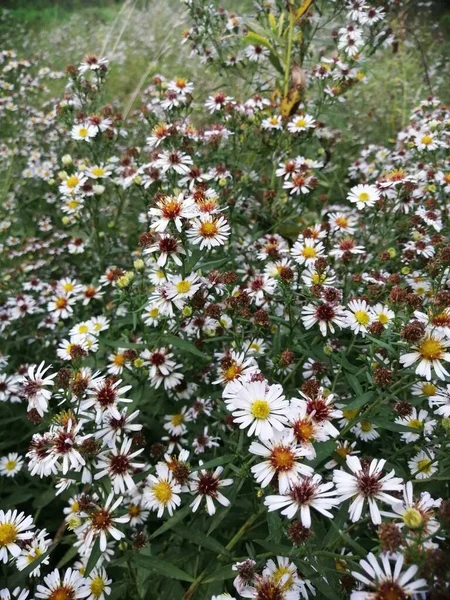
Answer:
(307, 251)
(423, 465)
(180, 162)
(325, 314)
(118, 465)
(118, 361)
(365, 431)
(97, 585)
(304, 494)
(105, 395)
(358, 316)
(440, 398)
(33, 387)
(284, 574)
(274, 122)
(56, 587)
(14, 529)
(419, 423)
(64, 446)
(172, 209)
(208, 231)
(387, 581)
(207, 484)
(260, 407)
(366, 483)
(101, 523)
(417, 515)
(425, 388)
(382, 313)
(92, 63)
(168, 247)
(282, 459)
(34, 550)
(363, 195)
(98, 172)
(301, 123)
(183, 288)
(306, 429)
(175, 424)
(83, 132)
(425, 140)
(162, 491)
(256, 53)
(430, 352)
(112, 429)
(61, 306)
(340, 222)
(138, 516)
(321, 409)
(16, 594)
(10, 464)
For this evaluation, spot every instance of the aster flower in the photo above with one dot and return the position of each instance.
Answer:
(366, 483)
(260, 407)
(15, 527)
(33, 387)
(381, 580)
(206, 485)
(282, 460)
(304, 494)
(11, 464)
(118, 465)
(56, 586)
(430, 352)
(162, 492)
(363, 195)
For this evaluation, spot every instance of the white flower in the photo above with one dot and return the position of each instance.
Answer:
(97, 585)
(57, 587)
(366, 484)
(440, 398)
(83, 132)
(260, 407)
(118, 465)
(307, 251)
(301, 123)
(14, 527)
(208, 231)
(385, 582)
(326, 315)
(363, 195)
(172, 209)
(305, 493)
(419, 423)
(206, 484)
(423, 465)
(102, 522)
(10, 464)
(358, 316)
(282, 460)
(431, 351)
(273, 122)
(33, 387)
(32, 551)
(161, 492)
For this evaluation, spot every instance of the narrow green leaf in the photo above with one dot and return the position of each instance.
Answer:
(360, 401)
(201, 539)
(221, 574)
(183, 344)
(161, 567)
(172, 522)
(93, 558)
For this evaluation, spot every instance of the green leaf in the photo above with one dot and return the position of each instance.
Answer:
(359, 402)
(172, 522)
(221, 574)
(215, 462)
(161, 567)
(201, 539)
(183, 344)
(71, 552)
(44, 498)
(323, 451)
(258, 40)
(93, 558)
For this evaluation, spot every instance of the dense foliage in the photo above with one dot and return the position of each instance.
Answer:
(224, 367)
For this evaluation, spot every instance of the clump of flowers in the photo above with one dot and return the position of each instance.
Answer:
(226, 357)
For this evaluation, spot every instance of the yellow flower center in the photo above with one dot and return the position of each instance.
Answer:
(62, 593)
(32, 556)
(431, 349)
(362, 317)
(82, 132)
(366, 426)
(427, 140)
(208, 229)
(350, 414)
(300, 122)
(97, 585)
(260, 409)
(163, 492)
(98, 172)
(309, 252)
(119, 360)
(415, 424)
(342, 222)
(183, 286)
(72, 181)
(412, 518)
(83, 329)
(8, 534)
(282, 458)
(177, 419)
(153, 313)
(73, 204)
(279, 573)
(429, 389)
(383, 319)
(134, 510)
(424, 465)
(363, 197)
(10, 465)
(232, 372)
